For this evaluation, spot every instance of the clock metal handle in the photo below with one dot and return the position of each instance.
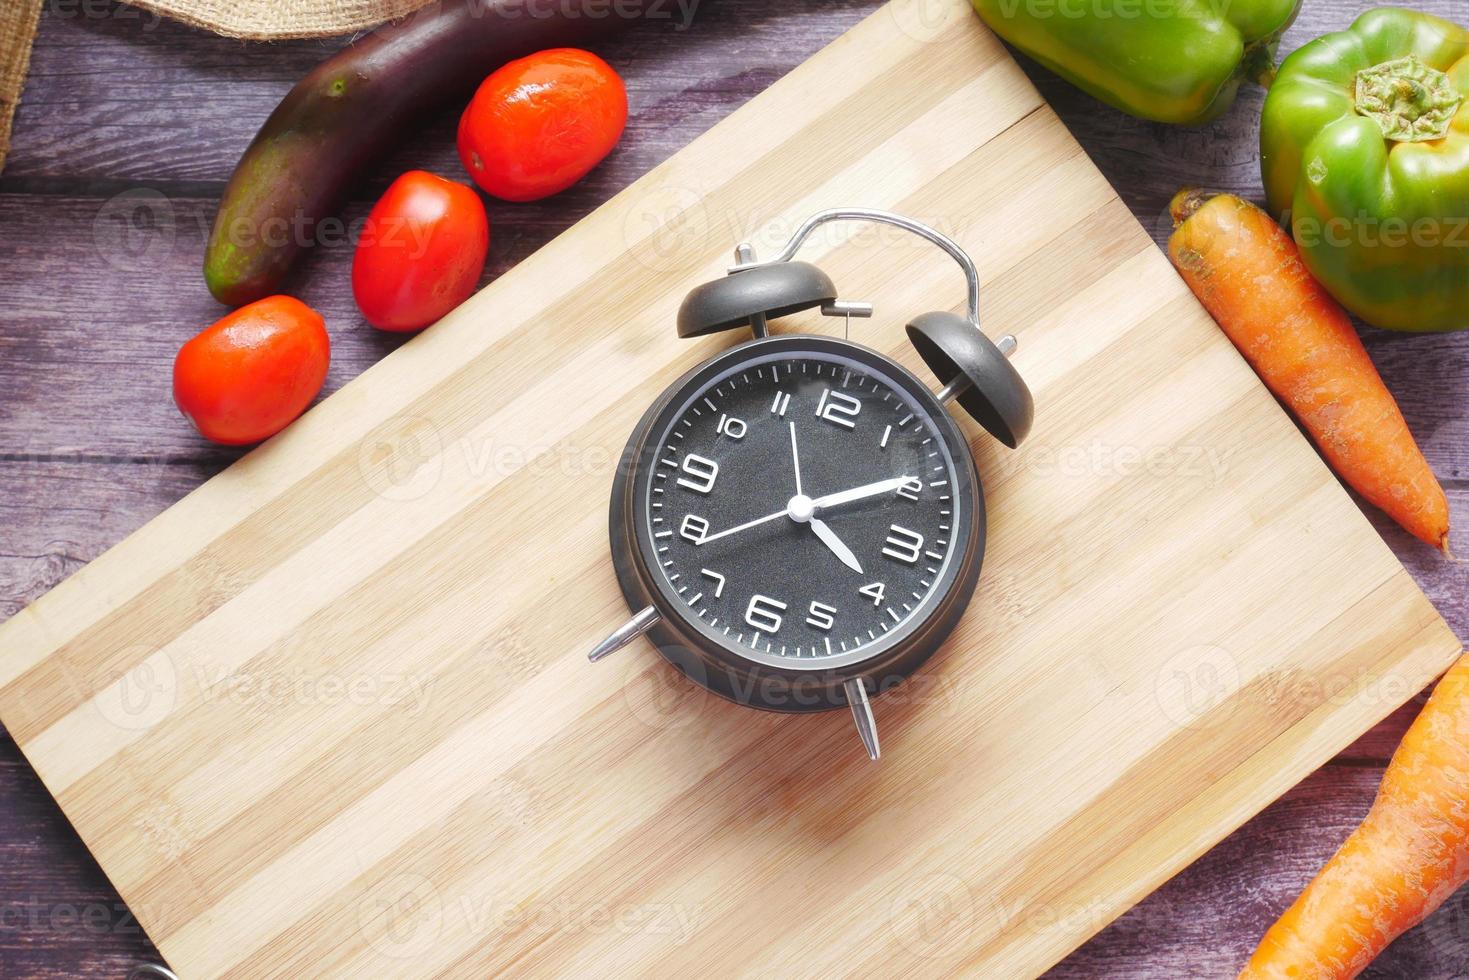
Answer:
(971, 273)
(972, 369)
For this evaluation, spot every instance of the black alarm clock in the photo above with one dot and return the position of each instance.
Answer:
(798, 523)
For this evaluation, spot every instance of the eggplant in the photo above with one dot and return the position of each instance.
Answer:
(357, 104)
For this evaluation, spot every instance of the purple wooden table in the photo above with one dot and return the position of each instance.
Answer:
(128, 130)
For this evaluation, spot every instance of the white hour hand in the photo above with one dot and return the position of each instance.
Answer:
(837, 545)
(859, 493)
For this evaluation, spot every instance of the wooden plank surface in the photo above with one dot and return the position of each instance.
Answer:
(84, 152)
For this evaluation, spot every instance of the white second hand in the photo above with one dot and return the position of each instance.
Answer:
(742, 527)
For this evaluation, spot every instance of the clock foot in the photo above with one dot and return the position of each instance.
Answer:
(645, 620)
(862, 715)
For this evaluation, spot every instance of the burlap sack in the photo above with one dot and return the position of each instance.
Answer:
(254, 20)
(17, 30)
(265, 20)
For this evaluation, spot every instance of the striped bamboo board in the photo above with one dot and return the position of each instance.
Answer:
(330, 715)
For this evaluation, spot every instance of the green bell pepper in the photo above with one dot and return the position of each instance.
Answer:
(1364, 145)
(1172, 61)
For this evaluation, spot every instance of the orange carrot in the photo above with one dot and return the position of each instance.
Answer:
(1409, 854)
(1249, 275)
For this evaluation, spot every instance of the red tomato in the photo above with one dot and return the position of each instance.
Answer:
(250, 374)
(421, 252)
(537, 125)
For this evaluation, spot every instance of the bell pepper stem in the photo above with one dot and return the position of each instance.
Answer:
(1259, 62)
(1409, 101)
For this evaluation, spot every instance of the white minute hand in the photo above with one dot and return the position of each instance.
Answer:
(859, 493)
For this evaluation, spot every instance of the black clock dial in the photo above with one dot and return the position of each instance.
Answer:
(801, 504)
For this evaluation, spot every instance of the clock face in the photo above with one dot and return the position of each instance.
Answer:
(803, 505)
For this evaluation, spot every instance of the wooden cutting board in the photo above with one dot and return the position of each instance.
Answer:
(331, 714)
